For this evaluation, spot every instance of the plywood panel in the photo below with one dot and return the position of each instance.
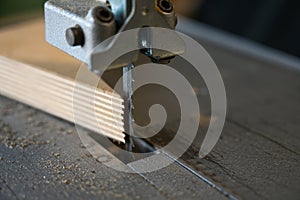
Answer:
(35, 73)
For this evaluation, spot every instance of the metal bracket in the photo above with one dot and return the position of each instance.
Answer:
(79, 26)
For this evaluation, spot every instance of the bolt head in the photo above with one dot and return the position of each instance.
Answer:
(103, 14)
(75, 36)
(165, 6)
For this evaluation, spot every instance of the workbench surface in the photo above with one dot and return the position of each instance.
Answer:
(257, 156)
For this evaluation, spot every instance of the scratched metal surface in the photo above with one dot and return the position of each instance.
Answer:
(257, 156)
(41, 157)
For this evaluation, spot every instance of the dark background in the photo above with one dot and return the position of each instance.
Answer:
(275, 23)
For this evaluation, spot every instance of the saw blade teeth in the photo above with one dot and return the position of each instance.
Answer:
(127, 90)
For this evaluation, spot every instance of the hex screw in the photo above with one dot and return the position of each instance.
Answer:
(165, 5)
(75, 36)
(103, 14)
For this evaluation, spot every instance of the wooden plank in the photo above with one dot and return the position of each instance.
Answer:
(49, 82)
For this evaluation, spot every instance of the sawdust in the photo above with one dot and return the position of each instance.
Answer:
(12, 140)
(66, 131)
(56, 154)
(73, 175)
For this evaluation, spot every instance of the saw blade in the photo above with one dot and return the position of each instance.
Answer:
(128, 105)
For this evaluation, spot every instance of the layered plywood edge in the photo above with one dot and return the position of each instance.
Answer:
(37, 74)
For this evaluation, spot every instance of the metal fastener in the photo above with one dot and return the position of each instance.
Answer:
(75, 36)
(103, 14)
(165, 5)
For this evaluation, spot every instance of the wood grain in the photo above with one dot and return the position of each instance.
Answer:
(49, 81)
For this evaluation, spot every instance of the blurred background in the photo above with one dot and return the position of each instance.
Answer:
(275, 23)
